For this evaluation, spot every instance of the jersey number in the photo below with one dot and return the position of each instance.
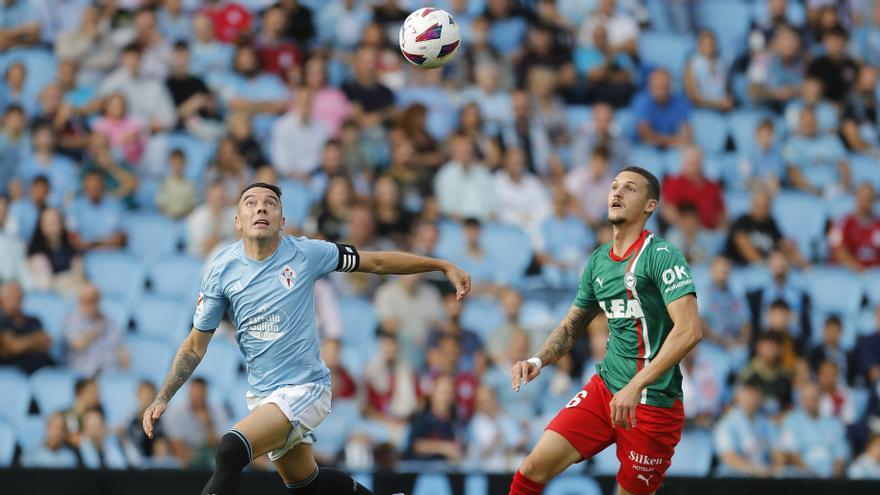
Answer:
(578, 397)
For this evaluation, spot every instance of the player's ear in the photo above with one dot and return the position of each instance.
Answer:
(651, 206)
(282, 222)
(237, 223)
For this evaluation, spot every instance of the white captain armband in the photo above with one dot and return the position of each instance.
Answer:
(349, 259)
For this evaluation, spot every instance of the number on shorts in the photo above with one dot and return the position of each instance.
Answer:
(578, 397)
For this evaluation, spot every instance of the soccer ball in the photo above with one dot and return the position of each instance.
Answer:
(429, 38)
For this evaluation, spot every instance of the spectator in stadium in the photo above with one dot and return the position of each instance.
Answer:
(53, 260)
(760, 162)
(744, 436)
(706, 75)
(24, 212)
(471, 124)
(86, 397)
(173, 21)
(830, 349)
(853, 239)
(298, 140)
(522, 198)
(16, 91)
(508, 27)
(156, 449)
(341, 24)
(836, 397)
(90, 45)
(19, 24)
(329, 104)
(372, 101)
(427, 150)
(45, 160)
(208, 225)
(692, 186)
(127, 135)
(330, 215)
(859, 127)
(299, 26)
(490, 97)
(463, 186)
(543, 49)
(811, 444)
(278, 53)
(13, 264)
(230, 168)
(177, 195)
(195, 105)
(564, 242)
(98, 447)
(548, 118)
(120, 179)
(155, 49)
(725, 315)
(53, 452)
(69, 123)
(498, 442)
(14, 144)
(95, 218)
(496, 344)
(696, 243)
(209, 55)
(623, 30)
(812, 96)
(93, 342)
(344, 386)
(391, 385)
(436, 433)
(147, 98)
(783, 286)
(610, 74)
(525, 404)
(780, 322)
(776, 75)
(753, 236)
(703, 388)
(866, 353)
(23, 341)
(764, 27)
(662, 117)
(867, 465)
(193, 426)
(587, 184)
(393, 222)
(866, 35)
(449, 324)
(835, 67)
(765, 372)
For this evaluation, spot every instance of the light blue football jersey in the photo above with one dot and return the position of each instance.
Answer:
(271, 305)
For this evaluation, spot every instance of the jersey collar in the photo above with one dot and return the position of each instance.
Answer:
(633, 248)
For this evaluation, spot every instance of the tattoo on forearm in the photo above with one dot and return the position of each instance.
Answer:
(185, 362)
(564, 335)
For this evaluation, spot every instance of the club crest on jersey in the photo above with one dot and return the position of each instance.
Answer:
(287, 277)
(629, 280)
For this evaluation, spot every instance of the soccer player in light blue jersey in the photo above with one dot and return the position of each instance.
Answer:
(265, 281)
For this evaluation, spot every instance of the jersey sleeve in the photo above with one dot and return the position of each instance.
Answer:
(212, 301)
(326, 257)
(586, 298)
(670, 272)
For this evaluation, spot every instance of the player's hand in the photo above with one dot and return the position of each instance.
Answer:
(623, 407)
(152, 414)
(459, 279)
(523, 372)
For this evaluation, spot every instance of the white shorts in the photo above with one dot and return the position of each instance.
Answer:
(305, 406)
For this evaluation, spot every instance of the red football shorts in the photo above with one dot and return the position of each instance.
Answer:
(645, 452)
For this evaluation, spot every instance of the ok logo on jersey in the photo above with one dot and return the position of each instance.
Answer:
(675, 278)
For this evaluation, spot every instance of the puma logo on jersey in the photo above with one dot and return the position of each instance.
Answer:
(646, 480)
(622, 308)
(600, 281)
(663, 248)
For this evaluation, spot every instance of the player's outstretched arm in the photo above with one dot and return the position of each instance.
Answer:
(388, 262)
(188, 356)
(558, 344)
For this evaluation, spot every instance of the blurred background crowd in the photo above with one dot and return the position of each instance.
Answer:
(129, 127)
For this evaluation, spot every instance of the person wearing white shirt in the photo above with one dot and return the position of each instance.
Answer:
(210, 223)
(522, 199)
(498, 441)
(147, 99)
(463, 186)
(298, 140)
(623, 31)
(588, 185)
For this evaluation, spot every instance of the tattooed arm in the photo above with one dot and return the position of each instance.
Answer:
(188, 356)
(558, 344)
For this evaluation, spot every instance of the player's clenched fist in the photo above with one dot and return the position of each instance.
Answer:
(523, 372)
(152, 414)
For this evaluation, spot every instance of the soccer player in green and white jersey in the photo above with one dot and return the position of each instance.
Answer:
(643, 285)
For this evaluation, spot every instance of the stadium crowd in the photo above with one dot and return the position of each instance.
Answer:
(130, 126)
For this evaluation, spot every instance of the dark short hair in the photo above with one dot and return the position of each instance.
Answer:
(471, 222)
(836, 30)
(275, 189)
(772, 336)
(40, 179)
(81, 384)
(653, 183)
(14, 108)
(199, 381)
(181, 45)
(133, 47)
(765, 123)
(602, 152)
(688, 208)
(834, 320)
(780, 304)
(178, 153)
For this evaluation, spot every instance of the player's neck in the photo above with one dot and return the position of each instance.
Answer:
(624, 236)
(260, 249)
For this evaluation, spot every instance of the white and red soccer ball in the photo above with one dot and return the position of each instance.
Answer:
(429, 38)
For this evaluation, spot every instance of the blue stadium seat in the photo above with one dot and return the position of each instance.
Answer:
(796, 13)
(117, 274)
(482, 316)
(52, 388)
(198, 154)
(50, 308)
(450, 239)
(626, 120)
(177, 276)
(743, 124)
(235, 398)
(115, 310)
(748, 278)
(296, 202)
(442, 114)
(16, 394)
(710, 130)
(149, 358)
(31, 431)
(7, 444)
(871, 285)
(577, 116)
(801, 217)
(864, 168)
(693, 455)
(510, 248)
(359, 323)
(432, 484)
(840, 206)
(163, 318)
(716, 165)
(334, 431)
(729, 20)
(145, 195)
(605, 462)
(40, 66)
(118, 398)
(669, 50)
(573, 485)
(220, 365)
(737, 204)
(834, 291)
(648, 158)
(536, 314)
(150, 236)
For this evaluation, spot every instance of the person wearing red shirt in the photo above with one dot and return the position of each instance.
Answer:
(231, 20)
(855, 239)
(277, 53)
(691, 186)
